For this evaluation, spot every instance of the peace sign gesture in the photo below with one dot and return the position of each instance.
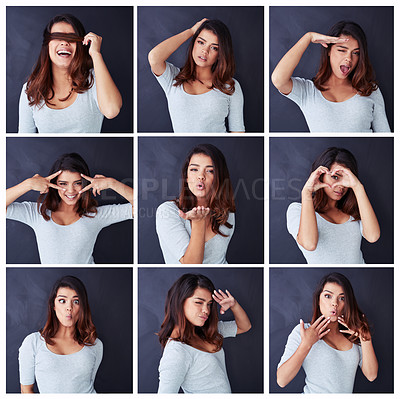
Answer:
(42, 184)
(352, 332)
(97, 183)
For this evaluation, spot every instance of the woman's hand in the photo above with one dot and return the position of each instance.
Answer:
(197, 25)
(94, 42)
(196, 214)
(314, 183)
(226, 301)
(324, 40)
(354, 333)
(346, 178)
(316, 331)
(42, 184)
(98, 183)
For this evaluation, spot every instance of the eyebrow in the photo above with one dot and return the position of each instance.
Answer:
(66, 181)
(342, 293)
(207, 166)
(64, 296)
(202, 299)
(340, 45)
(214, 44)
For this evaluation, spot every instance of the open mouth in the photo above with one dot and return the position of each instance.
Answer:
(200, 186)
(64, 53)
(204, 59)
(345, 69)
(71, 197)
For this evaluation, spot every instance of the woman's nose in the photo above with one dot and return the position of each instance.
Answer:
(205, 309)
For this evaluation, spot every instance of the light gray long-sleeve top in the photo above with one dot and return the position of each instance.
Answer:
(74, 373)
(201, 113)
(357, 114)
(70, 244)
(174, 236)
(82, 116)
(337, 243)
(194, 370)
(328, 370)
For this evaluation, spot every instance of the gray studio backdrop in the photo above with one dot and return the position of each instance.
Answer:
(290, 296)
(110, 299)
(288, 24)
(160, 163)
(246, 25)
(243, 354)
(25, 27)
(111, 157)
(290, 167)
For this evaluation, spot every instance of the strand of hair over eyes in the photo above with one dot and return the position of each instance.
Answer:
(69, 37)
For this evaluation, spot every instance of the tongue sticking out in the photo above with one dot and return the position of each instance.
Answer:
(345, 69)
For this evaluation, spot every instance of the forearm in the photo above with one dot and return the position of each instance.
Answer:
(307, 236)
(288, 370)
(284, 70)
(195, 251)
(122, 189)
(13, 193)
(242, 320)
(369, 360)
(159, 54)
(108, 95)
(371, 230)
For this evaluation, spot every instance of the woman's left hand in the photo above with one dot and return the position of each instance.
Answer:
(226, 301)
(94, 41)
(97, 183)
(352, 332)
(346, 177)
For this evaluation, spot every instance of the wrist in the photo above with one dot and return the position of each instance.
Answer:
(96, 56)
(306, 193)
(27, 184)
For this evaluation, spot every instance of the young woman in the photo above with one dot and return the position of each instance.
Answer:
(343, 96)
(333, 345)
(203, 94)
(335, 212)
(197, 226)
(66, 219)
(192, 336)
(70, 88)
(63, 357)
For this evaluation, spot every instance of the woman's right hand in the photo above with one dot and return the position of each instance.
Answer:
(42, 184)
(316, 331)
(324, 40)
(196, 214)
(313, 183)
(197, 25)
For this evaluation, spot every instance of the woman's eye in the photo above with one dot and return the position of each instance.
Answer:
(342, 298)
(327, 296)
(335, 177)
(78, 183)
(200, 42)
(61, 300)
(356, 53)
(76, 302)
(193, 170)
(211, 171)
(214, 48)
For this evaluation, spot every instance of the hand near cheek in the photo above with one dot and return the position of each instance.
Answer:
(97, 184)
(197, 213)
(94, 42)
(347, 178)
(314, 183)
(352, 332)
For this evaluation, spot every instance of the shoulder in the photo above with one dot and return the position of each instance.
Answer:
(168, 208)
(294, 208)
(376, 95)
(32, 340)
(97, 347)
(176, 351)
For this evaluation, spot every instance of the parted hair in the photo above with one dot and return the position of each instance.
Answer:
(348, 204)
(86, 205)
(39, 87)
(223, 69)
(221, 201)
(353, 316)
(182, 289)
(362, 77)
(85, 331)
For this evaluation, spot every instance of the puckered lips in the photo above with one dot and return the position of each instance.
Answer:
(333, 313)
(345, 69)
(203, 317)
(200, 186)
(64, 52)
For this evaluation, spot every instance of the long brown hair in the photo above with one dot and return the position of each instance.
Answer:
(362, 77)
(353, 316)
(39, 87)
(85, 331)
(182, 289)
(221, 201)
(86, 204)
(223, 69)
(348, 204)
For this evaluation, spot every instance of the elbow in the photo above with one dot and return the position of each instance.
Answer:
(371, 238)
(152, 57)
(280, 381)
(308, 245)
(275, 79)
(372, 376)
(112, 111)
